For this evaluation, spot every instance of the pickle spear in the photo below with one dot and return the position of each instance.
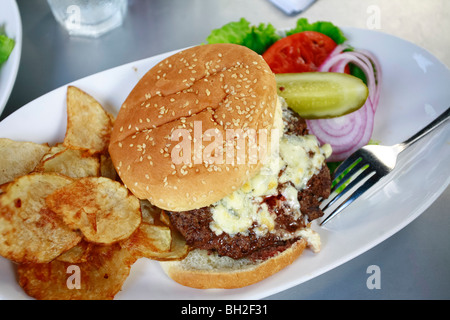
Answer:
(317, 95)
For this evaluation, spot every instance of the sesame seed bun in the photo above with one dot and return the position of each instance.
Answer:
(203, 270)
(213, 86)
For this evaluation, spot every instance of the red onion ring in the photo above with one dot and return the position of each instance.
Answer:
(345, 134)
(348, 133)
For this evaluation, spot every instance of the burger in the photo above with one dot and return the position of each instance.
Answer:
(205, 137)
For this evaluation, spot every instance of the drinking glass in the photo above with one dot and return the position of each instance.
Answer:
(89, 18)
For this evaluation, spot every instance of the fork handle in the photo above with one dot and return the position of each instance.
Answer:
(429, 128)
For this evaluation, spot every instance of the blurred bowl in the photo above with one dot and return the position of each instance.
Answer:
(12, 23)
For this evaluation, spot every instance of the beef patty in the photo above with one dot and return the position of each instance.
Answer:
(194, 225)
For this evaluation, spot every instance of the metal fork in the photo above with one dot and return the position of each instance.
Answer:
(371, 163)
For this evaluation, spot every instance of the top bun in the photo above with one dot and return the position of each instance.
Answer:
(213, 86)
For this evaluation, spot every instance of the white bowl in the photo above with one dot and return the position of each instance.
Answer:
(10, 19)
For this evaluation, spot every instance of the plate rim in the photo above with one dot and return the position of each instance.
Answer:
(284, 286)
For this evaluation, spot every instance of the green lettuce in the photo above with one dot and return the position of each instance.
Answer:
(333, 166)
(6, 47)
(324, 27)
(258, 38)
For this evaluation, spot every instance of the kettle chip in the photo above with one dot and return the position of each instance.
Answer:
(102, 209)
(19, 158)
(100, 277)
(29, 230)
(89, 125)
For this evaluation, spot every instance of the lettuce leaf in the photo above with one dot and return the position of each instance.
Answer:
(6, 47)
(258, 38)
(327, 28)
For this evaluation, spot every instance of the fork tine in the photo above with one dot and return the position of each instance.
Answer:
(359, 165)
(346, 164)
(358, 192)
(352, 184)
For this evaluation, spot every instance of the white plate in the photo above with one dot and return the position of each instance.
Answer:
(414, 92)
(10, 17)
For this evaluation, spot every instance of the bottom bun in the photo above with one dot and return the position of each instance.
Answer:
(204, 270)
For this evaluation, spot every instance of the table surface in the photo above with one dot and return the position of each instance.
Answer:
(413, 262)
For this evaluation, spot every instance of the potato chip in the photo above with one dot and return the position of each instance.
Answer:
(72, 163)
(89, 126)
(77, 254)
(149, 239)
(150, 213)
(102, 209)
(164, 218)
(53, 150)
(99, 278)
(178, 249)
(29, 231)
(157, 243)
(153, 215)
(107, 169)
(155, 239)
(19, 158)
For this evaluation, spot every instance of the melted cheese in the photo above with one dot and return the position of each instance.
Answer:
(292, 163)
(312, 238)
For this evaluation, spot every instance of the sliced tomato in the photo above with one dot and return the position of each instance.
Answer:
(300, 52)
